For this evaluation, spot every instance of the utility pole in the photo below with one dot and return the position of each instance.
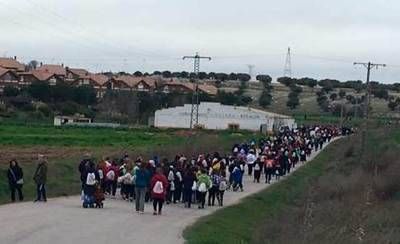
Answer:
(287, 71)
(194, 114)
(368, 66)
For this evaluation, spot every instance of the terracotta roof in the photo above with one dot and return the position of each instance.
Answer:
(53, 68)
(133, 80)
(79, 72)
(42, 75)
(209, 89)
(10, 63)
(3, 71)
(99, 78)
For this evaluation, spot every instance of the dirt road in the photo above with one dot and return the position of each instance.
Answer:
(64, 221)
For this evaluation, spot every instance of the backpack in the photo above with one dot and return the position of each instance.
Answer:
(91, 179)
(158, 187)
(222, 185)
(110, 175)
(202, 187)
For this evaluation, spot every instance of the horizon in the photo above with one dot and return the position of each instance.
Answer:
(139, 35)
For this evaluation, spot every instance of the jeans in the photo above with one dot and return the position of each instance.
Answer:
(220, 197)
(13, 189)
(257, 175)
(140, 195)
(41, 192)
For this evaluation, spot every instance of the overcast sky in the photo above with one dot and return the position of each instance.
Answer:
(325, 36)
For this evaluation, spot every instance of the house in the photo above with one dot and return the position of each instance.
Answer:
(7, 78)
(56, 69)
(75, 73)
(27, 78)
(174, 86)
(208, 89)
(97, 81)
(12, 64)
(129, 82)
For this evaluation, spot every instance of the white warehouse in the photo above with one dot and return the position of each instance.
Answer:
(215, 116)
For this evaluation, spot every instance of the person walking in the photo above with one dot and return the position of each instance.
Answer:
(189, 186)
(159, 185)
(15, 180)
(204, 183)
(40, 178)
(142, 178)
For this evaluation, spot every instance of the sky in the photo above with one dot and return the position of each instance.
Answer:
(325, 37)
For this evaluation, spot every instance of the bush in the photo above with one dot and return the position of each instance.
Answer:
(11, 91)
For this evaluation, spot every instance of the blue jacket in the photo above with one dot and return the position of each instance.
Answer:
(142, 178)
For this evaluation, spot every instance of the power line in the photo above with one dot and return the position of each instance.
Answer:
(368, 66)
(194, 114)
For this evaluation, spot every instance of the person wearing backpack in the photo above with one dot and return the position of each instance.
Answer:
(92, 178)
(189, 185)
(158, 186)
(40, 178)
(204, 183)
(223, 185)
(213, 191)
(15, 180)
(257, 170)
(178, 183)
(171, 185)
(112, 178)
(142, 180)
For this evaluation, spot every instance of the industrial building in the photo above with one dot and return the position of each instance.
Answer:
(215, 116)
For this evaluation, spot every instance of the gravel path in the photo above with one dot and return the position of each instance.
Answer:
(64, 221)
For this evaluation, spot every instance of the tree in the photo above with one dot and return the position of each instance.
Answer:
(265, 99)
(203, 75)
(221, 76)
(333, 96)
(293, 101)
(138, 74)
(61, 92)
(342, 94)
(32, 65)
(176, 74)
(166, 74)
(265, 79)
(232, 76)
(287, 81)
(184, 74)
(85, 95)
(295, 88)
(212, 76)
(11, 91)
(393, 105)
(40, 90)
(381, 93)
(307, 82)
(243, 77)
(156, 73)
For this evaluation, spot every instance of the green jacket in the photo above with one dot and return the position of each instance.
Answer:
(203, 178)
(40, 176)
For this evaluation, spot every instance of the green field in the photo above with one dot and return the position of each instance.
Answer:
(339, 197)
(65, 147)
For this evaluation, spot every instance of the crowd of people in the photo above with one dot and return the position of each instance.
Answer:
(198, 179)
(202, 178)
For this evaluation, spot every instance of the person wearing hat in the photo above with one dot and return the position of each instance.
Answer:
(40, 178)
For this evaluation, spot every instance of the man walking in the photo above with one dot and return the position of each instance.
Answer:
(40, 178)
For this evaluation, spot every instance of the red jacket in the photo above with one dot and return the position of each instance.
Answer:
(164, 181)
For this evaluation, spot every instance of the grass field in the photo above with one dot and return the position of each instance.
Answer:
(65, 147)
(339, 197)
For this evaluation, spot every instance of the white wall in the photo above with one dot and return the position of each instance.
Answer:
(217, 116)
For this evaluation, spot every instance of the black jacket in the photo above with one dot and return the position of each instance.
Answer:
(14, 174)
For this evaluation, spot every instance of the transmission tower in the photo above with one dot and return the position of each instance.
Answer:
(287, 71)
(251, 69)
(194, 114)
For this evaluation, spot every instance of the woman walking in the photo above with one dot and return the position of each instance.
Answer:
(159, 185)
(15, 180)
(142, 178)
